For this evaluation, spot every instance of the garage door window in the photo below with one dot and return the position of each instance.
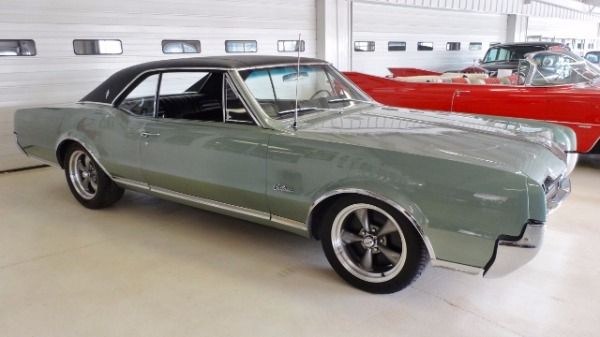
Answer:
(17, 48)
(475, 46)
(241, 46)
(97, 47)
(284, 46)
(425, 46)
(364, 46)
(396, 46)
(180, 46)
(453, 46)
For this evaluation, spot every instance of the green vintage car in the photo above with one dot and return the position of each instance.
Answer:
(291, 143)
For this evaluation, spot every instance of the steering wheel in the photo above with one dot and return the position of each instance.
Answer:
(320, 92)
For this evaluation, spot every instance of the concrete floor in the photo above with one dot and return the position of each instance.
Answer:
(148, 267)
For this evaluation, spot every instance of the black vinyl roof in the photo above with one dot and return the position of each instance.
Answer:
(109, 89)
(529, 44)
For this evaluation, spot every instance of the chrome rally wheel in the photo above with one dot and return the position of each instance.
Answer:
(368, 242)
(83, 174)
(372, 245)
(87, 181)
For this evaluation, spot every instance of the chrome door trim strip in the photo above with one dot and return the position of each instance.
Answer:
(388, 201)
(211, 203)
(291, 225)
(457, 267)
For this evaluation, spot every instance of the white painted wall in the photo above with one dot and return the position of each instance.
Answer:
(383, 23)
(57, 76)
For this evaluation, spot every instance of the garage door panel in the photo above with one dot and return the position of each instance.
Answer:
(383, 23)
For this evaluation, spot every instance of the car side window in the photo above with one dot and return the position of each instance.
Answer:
(193, 95)
(235, 110)
(491, 55)
(141, 100)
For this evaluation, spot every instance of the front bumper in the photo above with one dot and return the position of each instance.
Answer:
(513, 252)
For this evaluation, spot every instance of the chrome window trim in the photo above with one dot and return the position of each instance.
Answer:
(160, 70)
(370, 194)
(224, 69)
(92, 102)
(274, 65)
(226, 119)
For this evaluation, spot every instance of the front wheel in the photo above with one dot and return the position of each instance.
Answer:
(87, 181)
(372, 246)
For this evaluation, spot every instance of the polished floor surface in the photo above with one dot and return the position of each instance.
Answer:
(148, 267)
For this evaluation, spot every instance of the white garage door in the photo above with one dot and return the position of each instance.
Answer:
(579, 35)
(387, 23)
(56, 75)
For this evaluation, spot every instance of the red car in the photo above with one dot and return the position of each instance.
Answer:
(557, 87)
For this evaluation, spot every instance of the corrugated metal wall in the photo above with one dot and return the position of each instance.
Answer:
(57, 76)
(381, 23)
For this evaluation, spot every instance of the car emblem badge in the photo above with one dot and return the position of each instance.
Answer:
(282, 188)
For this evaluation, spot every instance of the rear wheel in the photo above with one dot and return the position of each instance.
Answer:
(87, 181)
(372, 246)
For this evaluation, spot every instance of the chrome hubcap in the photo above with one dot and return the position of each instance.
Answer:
(83, 174)
(368, 242)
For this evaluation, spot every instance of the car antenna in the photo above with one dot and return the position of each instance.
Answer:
(297, 80)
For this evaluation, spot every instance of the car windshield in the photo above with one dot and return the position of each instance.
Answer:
(505, 54)
(557, 68)
(320, 87)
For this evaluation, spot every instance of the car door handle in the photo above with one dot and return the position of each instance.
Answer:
(149, 134)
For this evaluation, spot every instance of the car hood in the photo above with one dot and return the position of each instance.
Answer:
(472, 139)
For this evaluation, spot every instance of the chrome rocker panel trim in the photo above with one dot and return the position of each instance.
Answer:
(513, 252)
(463, 268)
(217, 206)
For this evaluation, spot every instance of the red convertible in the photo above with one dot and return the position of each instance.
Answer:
(557, 87)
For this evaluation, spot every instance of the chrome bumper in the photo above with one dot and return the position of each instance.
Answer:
(557, 193)
(572, 158)
(513, 252)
